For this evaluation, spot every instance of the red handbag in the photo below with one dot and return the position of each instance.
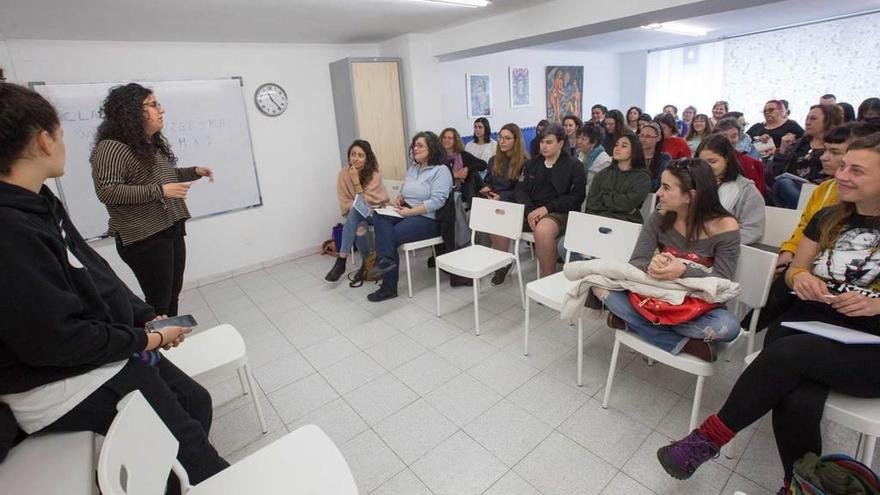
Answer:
(660, 312)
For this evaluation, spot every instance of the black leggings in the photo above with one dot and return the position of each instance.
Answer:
(792, 377)
(182, 404)
(158, 263)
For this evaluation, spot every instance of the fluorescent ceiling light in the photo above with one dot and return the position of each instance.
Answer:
(676, 28)
(462, 3)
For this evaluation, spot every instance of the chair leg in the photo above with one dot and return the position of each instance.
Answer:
(522, 292)
(868, 445)
(580, 351)
(698, 397)
(257, 406)
(750, 343)
(241, 379)
(537, 269)
(531, 249)
(437, 285)
(408, 276)
(477, 305)
(526, 333)
(611, 369)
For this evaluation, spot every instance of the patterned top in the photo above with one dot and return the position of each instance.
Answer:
(132, 191)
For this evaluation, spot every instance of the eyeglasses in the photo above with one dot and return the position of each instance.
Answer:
(502, 137)
(154, 104)
(418, 146)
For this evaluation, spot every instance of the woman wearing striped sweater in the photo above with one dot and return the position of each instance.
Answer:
(135, 176)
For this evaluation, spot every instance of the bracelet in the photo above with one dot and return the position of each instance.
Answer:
(792, 273)
(161, 338)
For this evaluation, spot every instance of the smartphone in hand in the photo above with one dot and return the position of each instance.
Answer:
(174, 321)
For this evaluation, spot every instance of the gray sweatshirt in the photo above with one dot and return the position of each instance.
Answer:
(742, 198)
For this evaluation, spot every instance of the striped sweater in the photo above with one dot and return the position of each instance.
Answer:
(132, 191)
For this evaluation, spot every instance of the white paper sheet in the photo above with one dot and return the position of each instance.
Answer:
(833, 332)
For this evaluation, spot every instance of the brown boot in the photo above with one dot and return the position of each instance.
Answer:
(615, 322)
(701, 349)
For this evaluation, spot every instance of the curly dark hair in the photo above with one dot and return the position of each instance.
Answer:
(371, 165)
(124, 121)
(436, 154)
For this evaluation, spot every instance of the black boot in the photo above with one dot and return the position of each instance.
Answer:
(337, 270)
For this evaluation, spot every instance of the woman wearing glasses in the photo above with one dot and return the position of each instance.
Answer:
(775, 125)
(136, 177)
(693, 236)
(651, 137)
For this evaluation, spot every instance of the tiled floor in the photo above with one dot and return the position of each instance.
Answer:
(420, 405)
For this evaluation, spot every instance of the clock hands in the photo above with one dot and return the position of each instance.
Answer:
(274, 102)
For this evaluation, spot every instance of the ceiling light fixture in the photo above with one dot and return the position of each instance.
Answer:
(462, 3)
(676, 28)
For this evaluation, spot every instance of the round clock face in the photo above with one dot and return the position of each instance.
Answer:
(271, 99)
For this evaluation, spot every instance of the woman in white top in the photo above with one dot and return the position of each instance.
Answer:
(482, 147)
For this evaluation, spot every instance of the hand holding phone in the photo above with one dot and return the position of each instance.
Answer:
(175, 321)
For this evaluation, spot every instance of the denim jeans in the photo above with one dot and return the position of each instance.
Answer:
(718, 325)
(350, 237)
(391, 232)
(560, 248)
(785, 193)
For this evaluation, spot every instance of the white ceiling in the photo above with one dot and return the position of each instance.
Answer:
(721, 25)
(286, 21)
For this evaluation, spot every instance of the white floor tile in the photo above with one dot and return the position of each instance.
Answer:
(462, 399)
(329, 351)
(512, 484)
(508, 431)
(288, 369)
(372, 463)
(405, 483)
(459, 466)
(426, 373)
(352, 372)
(559, 466)
(548, 399)
(297, 399)
(502, 372)
(608, 433)
(338, 420)
(396, 351)
(433, 332)
(380, 398)
(414, 430)
(624, 485)
(465, 350)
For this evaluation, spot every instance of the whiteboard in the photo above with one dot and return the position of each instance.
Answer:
(205, 123)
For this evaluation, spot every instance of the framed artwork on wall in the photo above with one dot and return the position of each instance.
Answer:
(520, 87)
(565, 91)
(479, 95)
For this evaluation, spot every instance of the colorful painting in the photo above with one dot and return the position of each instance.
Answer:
(565, 90)
(479, 95)
(520, 87)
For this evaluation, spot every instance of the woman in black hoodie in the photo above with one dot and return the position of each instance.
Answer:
(73, 341)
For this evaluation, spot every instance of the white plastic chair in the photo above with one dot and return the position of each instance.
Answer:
(807, 189)
(476, 261)
(529, 239)
(139, 452)
(412, 246)
(51, 464)
(215, 352)
(589, 235)
(779, 225)
(754, 273)
(861, 415)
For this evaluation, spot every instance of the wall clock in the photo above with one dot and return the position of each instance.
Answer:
(271, 99)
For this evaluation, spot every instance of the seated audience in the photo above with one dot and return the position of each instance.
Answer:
(535, 144)
(483, 146)
(651, 135)
(425, 189)
(597, 113)
(836, 278)
(800, 157)
(693, 236)
(619, 190)
(571, 124)
(737, 193)
(828, 99)
(361, 177)
(869, 112)
(718, 110)
(592, 154)
(849, 113)
(73, 341)
(615, 127)
(552, 185)
(673, 110)
(687, 116)
(699, 129)
(673, 145)
(632, 119)
(776, 124)
(463, 162)
(752, 168)
(745, 143)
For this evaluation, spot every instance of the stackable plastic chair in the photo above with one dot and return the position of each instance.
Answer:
(754, 273)
(477, 261)
(779, 225)
(139, 452)
(591, 236)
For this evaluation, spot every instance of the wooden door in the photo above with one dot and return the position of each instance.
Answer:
(379, 110)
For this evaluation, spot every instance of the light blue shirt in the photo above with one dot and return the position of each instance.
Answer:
(429, 186)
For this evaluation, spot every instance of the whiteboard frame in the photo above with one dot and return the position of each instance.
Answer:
(106, 235)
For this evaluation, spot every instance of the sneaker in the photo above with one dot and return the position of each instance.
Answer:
(382, 294)
(615, 322)
(337, 270)
(500, 275)
(681, 458)
(382, 266)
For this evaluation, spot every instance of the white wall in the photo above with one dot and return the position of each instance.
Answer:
(632, 79)
(296, 154)
(601, 85)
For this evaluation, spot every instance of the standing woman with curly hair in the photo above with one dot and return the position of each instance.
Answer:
(135, 176)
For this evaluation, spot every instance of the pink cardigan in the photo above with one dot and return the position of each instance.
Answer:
(346, 187)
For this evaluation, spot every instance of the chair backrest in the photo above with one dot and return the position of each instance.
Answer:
(497, 217)
(392, 187)
(649, 206)
(754, 273)
(601, 237)
(138, 451)
(807, 189)
(779, 224)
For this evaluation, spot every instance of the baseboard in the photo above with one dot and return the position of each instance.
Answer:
(302, 253)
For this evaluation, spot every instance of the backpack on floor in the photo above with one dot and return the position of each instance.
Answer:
(357, 277)
(832, 475)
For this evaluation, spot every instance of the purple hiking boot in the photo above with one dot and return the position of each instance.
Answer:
(681, 458)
